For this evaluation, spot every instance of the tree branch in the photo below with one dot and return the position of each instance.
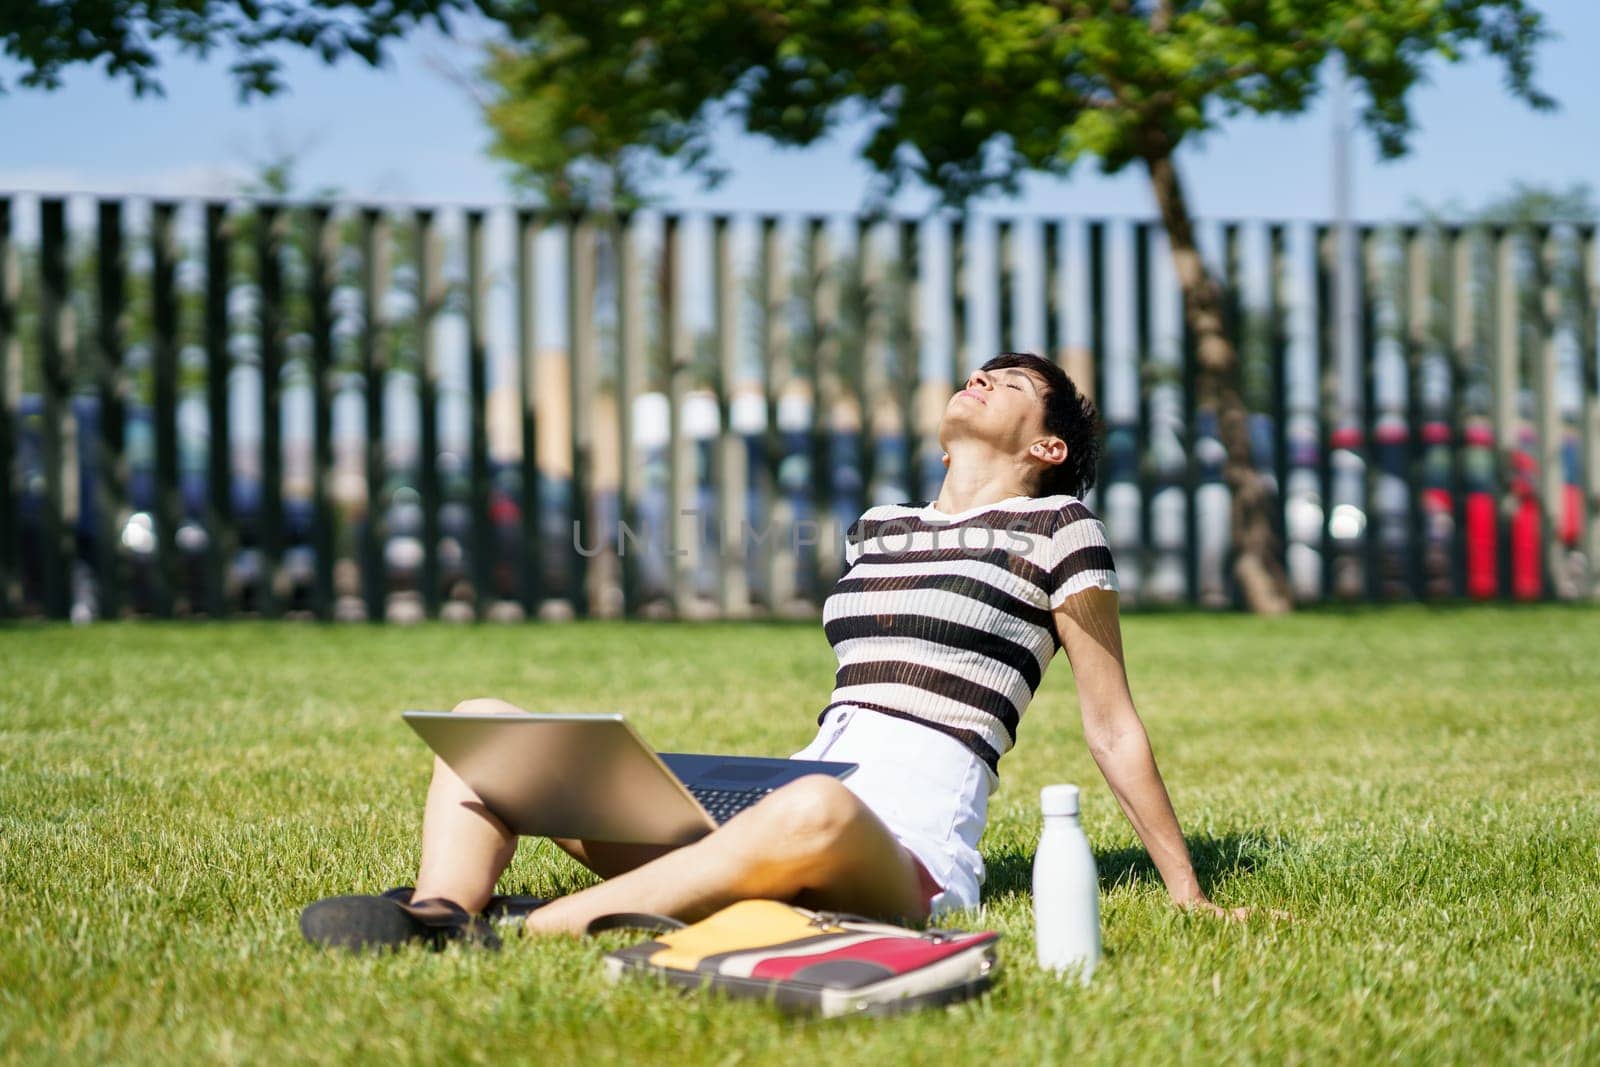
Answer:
(1161, 17)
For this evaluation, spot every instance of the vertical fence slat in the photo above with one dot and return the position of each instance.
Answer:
(825, 350)
(482, 550)
(1095, 261)
(1144, 366)
(1325, 257)
(1419, 348)
(1462, 252)
(583, 353)
(269, 236)
(1164, 413)
(1376, 286)
(607, 413)
(10, 389)
(1302, 411)
(164, 354)
(1507, 371)
(1233, 281)
(777, 373)
(1032, 262)
(960, 285)
(868, 281)
(853, 356)
(773, 353)
(1005, 251)
(1050, 257)
(732, 478)
(1073, 311)
(680, 454)
(931, 356)
(1589, 375)
(223, 542)
(430, 299)
(1188, 380)
(1355, 282)
(632, 351)
(54, 345)
(906, 330)
(1168, 426)
(1549, 428)
(1095, 239)
(873, 327)
(1442, 457)
(1373, 284)
(1475, 316)
(1120, 409)
(374, 379)
(1278, 354)
(110, 482)
(1349, 339)
(319, 284)
(531, 556)
(1437, 392)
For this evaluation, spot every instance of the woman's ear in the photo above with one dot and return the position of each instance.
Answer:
(945, 459)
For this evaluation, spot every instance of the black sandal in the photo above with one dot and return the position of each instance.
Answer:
(394, 919)
(503, 909)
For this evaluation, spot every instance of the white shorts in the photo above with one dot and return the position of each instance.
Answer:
(927, 787)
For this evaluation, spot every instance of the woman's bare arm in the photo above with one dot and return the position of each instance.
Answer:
(1091, 633)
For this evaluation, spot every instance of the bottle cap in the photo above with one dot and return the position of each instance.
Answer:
(1059, 799)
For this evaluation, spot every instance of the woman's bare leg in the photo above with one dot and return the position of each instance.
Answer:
(465, 847)
(811, 839)
(610, 858)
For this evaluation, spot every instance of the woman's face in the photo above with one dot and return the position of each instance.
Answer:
(1002, 407)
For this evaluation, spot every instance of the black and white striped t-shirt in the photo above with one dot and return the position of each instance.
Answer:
(946, 619)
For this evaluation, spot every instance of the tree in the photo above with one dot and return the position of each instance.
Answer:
(46, 38)
(1523, 204)
(968, 97)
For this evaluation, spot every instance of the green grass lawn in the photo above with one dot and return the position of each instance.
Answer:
(1416, 787)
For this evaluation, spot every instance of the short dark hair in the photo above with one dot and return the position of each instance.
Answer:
(1069, 415)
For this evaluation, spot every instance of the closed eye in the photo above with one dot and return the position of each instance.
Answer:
(1015, 386)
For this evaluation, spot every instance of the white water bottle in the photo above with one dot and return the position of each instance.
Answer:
(1066, 888)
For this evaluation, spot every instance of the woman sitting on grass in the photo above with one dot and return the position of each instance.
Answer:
(944, 621)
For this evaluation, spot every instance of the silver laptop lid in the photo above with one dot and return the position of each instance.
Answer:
(582, 776)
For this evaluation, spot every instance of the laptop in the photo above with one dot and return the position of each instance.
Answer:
(592, 777)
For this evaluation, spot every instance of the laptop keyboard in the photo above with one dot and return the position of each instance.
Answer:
(724, 804)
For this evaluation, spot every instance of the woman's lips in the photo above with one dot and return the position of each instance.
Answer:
(974, 394)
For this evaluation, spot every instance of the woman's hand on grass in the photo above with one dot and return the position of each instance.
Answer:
(1202, 905)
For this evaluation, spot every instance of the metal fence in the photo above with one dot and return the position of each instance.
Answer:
(353, 411)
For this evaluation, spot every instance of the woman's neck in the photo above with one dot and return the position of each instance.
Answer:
(977, 478)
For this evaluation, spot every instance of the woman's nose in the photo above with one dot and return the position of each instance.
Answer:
(977, 380)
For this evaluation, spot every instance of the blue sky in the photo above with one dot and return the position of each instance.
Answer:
(412, 132)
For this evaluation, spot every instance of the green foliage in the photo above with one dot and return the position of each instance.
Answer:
(1414, 785)
(1530, 202)
(123, 35)
(276, 176)
(587, 99)
(1525, 203)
